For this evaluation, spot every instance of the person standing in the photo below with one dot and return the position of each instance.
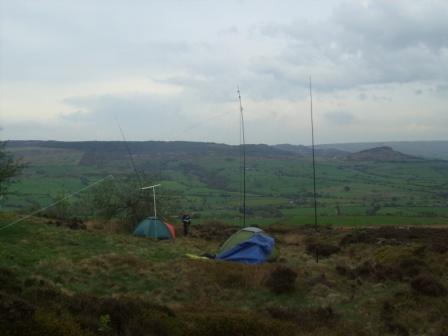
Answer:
(186, 221)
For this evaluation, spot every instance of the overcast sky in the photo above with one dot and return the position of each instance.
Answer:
(169, 70)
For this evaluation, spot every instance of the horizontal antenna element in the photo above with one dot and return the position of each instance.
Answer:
(153, 186)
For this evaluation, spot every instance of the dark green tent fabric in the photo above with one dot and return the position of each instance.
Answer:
(239, 237)
(154, 228)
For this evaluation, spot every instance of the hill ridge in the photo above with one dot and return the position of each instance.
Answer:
(431, 149)
(382, 153)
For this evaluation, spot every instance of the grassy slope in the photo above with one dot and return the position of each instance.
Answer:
(46, 260)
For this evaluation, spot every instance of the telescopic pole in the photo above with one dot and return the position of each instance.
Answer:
(314, 158)
(314, 168)
(244, 159)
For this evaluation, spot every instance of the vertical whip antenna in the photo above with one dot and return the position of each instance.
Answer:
(314, 158)
(314, 166)
(244, 156)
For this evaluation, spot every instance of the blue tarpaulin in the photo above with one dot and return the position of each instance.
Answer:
(255, 250)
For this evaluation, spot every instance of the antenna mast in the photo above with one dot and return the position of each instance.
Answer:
(314, 159)
(153, 187)
(244, 157)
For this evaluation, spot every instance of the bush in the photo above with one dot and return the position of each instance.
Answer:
(400, 271)
(154, 322)
(51, 324)
(439, 247)
(388, 312)
(389, 235)
(43, 291)
(281, 280)
(123, 313)
(14, 309)
(324, 250)
(8, 280)
(317, 321)
(238, 323)
(411, 267)
(428, 286)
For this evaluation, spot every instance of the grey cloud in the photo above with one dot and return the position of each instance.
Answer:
(141, 117)
(230, 31)
(384, 43)
(146, 117)
(362, 96)
(442, 88)
(394, 24)
(131, 109)
(339, 117)
(61, 130)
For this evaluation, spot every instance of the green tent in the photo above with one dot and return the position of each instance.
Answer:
(154, 228)
(243, 235)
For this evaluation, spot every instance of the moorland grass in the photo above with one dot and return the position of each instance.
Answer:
(63, 282)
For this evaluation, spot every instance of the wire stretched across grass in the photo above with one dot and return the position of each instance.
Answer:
(54, 203)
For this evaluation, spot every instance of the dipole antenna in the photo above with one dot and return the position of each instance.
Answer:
(131, 158)
(244, 157)
(57, 202)
(153, 187)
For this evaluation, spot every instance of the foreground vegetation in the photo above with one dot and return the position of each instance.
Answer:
(371, 281)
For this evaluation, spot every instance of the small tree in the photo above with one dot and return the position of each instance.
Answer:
(338, 210)
(61, 210)
(9, 168)
(373, 209)
(122, 199)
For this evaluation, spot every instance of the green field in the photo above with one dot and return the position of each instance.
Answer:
(279, 190)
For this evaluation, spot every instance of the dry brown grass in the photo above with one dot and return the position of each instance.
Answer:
(296, 239)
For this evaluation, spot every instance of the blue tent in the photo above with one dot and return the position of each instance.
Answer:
(154, 228)
(255, 250)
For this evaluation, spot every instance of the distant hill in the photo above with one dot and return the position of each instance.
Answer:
(381, 154)
(425, 149)
(330, 153)
(92, 152)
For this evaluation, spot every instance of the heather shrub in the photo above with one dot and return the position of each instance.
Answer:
(281, 280)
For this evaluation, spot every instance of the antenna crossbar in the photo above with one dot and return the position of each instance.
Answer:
(148, 187)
